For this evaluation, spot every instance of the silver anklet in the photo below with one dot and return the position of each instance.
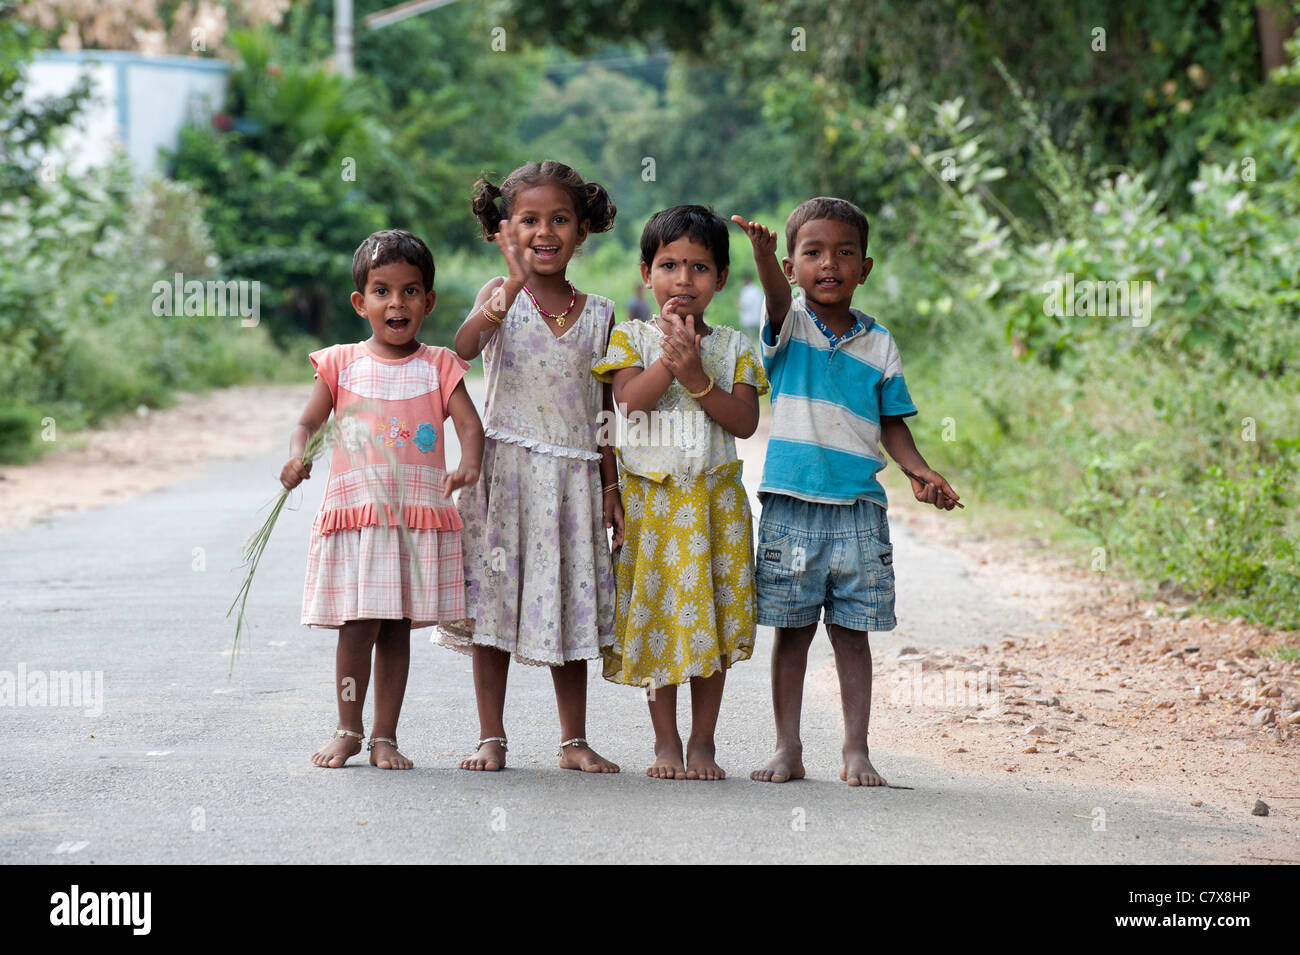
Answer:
(380, 739)
(494, 739)
(576, 741)
(344, 734)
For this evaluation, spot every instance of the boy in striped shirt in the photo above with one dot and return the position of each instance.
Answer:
(823, 540)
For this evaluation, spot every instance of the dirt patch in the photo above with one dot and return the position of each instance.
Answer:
(1127, 694)
(146, 451)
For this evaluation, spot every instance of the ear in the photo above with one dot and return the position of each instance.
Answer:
(645, 275)
(583, 228)
(428, 302)
(788, 268)
(866, 269)
(358, 303)
(722, 280)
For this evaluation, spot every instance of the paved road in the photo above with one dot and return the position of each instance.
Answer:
(186, 765)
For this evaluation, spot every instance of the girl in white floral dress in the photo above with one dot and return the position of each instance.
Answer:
(538, 574)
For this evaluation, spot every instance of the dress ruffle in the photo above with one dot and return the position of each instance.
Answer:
(415, 517)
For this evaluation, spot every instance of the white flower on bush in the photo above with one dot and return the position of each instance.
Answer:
(1198, 187)
(1235, 204)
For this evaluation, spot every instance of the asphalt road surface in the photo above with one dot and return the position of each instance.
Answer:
(187, 765)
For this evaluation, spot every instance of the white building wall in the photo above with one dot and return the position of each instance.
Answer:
(140, 102)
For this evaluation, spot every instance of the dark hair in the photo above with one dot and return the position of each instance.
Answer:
(825, 207)
(591, 201)
(391, 245)
(700, 223)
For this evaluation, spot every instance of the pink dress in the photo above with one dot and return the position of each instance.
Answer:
(387, 466)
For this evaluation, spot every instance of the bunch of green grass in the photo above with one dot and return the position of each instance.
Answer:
(324, 437)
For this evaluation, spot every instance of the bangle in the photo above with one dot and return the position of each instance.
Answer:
(705, 391)
(611, 487)
(491, 316)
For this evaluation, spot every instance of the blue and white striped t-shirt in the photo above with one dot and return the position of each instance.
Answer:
(826, 408)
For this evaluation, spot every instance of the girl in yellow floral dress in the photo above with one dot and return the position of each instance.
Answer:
(685, 578)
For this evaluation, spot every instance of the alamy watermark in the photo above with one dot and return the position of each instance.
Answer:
(1068, 298)
(916, 686)
(212, 299)
(687, 431)
(71, 688)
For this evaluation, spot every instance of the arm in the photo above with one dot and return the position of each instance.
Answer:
(932, 488)
(469, 430)
(776, 287)
(499, 294)
(317, 412)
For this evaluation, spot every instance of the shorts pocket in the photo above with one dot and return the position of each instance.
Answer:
(877, 558)
(774, 560)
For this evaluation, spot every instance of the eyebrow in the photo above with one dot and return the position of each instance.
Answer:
(557, 209)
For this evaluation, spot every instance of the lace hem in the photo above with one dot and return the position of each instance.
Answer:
(532, 444)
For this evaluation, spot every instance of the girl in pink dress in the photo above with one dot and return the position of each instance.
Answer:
(391, 395)
(538, 573)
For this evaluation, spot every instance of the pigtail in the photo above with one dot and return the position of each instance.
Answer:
(600, 208)
(485, 198)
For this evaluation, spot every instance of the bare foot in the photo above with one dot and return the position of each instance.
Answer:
(336, 753)
(668, 763)
(387, 756)
(490, 756)
(583, 757)
(858, 770)
(785, 765)
(700, 763)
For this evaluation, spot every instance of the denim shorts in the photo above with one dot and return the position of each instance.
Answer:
(836, 556)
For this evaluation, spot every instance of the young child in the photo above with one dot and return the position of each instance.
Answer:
(359, 577)
(685, 572)
(823, 538)
(538, 574)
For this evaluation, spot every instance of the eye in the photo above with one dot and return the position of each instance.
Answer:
(381, 290)
(527, 220)
(668, 266)
(412, 290)
(701, 267)
(561, 219)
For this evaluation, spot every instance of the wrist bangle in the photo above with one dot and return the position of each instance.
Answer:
(707, 389)
(492, 317)
(611, 487)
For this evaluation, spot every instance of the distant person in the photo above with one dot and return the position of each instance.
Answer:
(821, 500)
(751, 309)
(637, 309)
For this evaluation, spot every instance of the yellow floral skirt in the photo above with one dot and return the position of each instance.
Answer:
(685, 580)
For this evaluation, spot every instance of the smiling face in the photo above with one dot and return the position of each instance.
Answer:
(828, 262)
(547, 225)
(395, 303)
(684, 269)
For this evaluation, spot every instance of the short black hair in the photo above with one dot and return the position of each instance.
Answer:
(700, 223)
(825, 207)
(386, 247)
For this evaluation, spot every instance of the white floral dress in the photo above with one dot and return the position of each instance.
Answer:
(538, 573)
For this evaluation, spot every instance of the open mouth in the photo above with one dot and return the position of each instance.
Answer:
(829, 283)
(546, 251)
(398, 324)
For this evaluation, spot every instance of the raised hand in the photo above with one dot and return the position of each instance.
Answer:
(761, 238)
(681, 349)
(508, 242)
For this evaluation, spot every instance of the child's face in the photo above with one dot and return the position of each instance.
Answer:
(685, 270)
(547, 226)
(828, 262)
(395, 303)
